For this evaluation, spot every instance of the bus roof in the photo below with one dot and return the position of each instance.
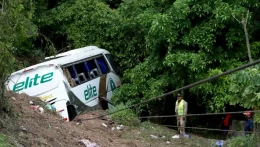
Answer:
(75, 51)
(68, 57)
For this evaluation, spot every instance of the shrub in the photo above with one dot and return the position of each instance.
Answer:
(7, 64)
(126, 117)
(243, 141)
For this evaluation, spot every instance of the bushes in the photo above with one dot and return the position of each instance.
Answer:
(243, 141)
(126, 117)
(4, 141)
(7, 63)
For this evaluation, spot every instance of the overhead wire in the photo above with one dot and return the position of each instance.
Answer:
(183, 88)
(200, 114)
(189, 115)
(198, 128)
(209, 129)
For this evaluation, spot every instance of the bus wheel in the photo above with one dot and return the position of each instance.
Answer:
(103, 103)
(72, 112)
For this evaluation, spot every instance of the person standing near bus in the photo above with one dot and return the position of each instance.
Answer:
(226, 125)
(181, 108)
(249, 124)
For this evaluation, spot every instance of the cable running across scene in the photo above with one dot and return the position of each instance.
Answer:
(183, 88)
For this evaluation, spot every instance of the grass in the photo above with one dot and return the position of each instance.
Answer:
(4, 141)
(144, 131)
(150, 134)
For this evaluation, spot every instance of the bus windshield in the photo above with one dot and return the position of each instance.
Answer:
(112, 63)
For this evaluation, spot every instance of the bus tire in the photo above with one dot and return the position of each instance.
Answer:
(72, 112)
(103, 104)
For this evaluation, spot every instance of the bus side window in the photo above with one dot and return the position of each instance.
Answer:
(82, 72)
(94, 72)
(72, 72)
(68, 76)
(102, 65)
(73, 75)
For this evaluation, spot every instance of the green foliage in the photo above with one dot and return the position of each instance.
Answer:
(16, 27)
(7, 64)
(243, 141)
(186, 42)
(6, 60)
(16, 34)
(126, 117)
(159, 45)
(146, 83)
(257, 117)
(245, 87)
(4, 141)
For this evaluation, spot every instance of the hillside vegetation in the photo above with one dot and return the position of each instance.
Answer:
(159, 46)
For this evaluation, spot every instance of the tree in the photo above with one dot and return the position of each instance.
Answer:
(190, 41)
(159, 45)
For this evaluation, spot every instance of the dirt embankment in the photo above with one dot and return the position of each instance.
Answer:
(30, 128)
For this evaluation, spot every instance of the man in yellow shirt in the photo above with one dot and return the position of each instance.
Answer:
(181, 108)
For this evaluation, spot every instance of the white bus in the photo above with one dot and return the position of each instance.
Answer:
(73, 82)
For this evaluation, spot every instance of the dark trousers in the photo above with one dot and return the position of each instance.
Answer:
(225, 131)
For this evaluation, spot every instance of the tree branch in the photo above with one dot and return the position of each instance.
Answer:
(247, 16)
(236, 18)
(244, 23)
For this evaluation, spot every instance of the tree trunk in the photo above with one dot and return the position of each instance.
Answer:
(247, 39)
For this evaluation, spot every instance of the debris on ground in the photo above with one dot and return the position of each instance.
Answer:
(175, 136)
(113, 128)
(153, 136)
(50, 107)
(23, 128)
(220, 143)
(103, 124)
(186, 135)
(87, 143)
(120, 127)
(37, 108)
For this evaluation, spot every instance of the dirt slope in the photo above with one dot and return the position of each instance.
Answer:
(30, 128)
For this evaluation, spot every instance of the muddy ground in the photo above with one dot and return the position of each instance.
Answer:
(30, 128)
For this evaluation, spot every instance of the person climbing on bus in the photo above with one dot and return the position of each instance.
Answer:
(249, 125)
(226, 125)
(181, 108)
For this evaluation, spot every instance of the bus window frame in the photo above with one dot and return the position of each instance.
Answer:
(85, 60)
(107, 64)
(110, 65)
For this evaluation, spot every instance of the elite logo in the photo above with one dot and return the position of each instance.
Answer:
(90, 92)
(30, 82)
(112, 84)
